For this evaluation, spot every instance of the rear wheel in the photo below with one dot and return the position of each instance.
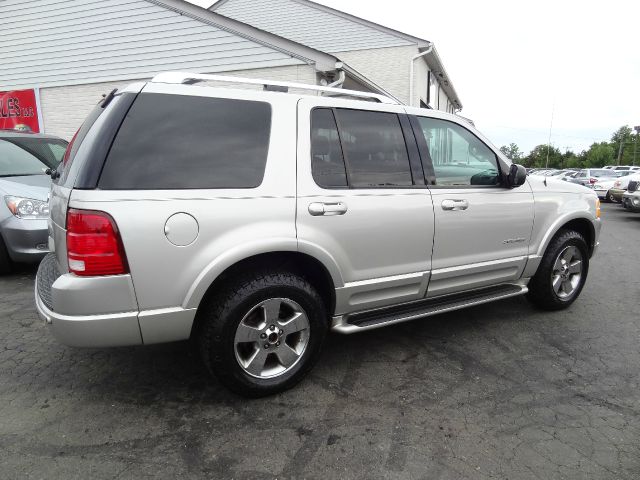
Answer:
(263, 334)
(5, 261)
(610, 197)
(562, 272)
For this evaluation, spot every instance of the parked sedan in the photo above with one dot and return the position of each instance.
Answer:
(590, 176)
(604, 186)
(620, 186)
(24, 186)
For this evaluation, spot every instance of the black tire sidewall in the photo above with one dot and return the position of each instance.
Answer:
(222, 360)
(5, 261)
(541, 288)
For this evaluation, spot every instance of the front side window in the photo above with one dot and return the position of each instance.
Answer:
(182, 142)
(374, 148)
(458, 157)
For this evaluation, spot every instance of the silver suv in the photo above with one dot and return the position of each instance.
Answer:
(255, 221)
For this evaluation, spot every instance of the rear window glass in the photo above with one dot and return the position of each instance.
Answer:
(374, 148)
(179, 142)
(76, 141)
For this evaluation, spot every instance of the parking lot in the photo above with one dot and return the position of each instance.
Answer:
(496, 391)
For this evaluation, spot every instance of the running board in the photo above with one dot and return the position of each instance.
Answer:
(361, 321)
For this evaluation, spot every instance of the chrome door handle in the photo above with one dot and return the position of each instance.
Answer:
(318, 208)
(455, 204)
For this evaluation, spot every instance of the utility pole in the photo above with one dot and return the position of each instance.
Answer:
(635, 144)
(620, 151)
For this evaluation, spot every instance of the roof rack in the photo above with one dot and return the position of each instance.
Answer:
(186, 78)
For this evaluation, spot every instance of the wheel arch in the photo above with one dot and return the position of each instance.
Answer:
(307, 266)
(581, 224)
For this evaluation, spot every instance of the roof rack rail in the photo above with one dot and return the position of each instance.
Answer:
(186, 78)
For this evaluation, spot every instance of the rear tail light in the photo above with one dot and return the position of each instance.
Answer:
(593, 180)
(94, 245)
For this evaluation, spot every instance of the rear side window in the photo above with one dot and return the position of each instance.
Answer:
(186, 142)
(375, 149)
(327, 163)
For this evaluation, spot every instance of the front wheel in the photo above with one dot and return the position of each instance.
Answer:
(562, 272)
(611, 198)
(263, 333)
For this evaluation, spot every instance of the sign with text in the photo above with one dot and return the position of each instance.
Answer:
(20, 110)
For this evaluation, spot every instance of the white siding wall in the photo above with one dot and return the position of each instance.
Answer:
(324, 31)
(63, 42)
(65, 108)
(421, 82)
(388, 67)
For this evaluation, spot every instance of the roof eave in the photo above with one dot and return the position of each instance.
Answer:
(321, 60)
(436, 66)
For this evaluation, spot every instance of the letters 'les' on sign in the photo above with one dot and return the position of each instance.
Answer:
(20, 110)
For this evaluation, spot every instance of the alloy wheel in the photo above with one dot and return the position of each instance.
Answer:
(567, 272)
(271, 338)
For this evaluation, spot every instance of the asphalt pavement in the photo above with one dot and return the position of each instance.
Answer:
(496, 391)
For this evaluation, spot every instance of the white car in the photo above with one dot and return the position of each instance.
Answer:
(620, 186)
(604, 186)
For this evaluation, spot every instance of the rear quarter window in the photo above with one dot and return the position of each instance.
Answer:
(189, 142)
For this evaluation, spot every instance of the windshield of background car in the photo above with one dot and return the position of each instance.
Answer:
(603, 173)
(29, 156)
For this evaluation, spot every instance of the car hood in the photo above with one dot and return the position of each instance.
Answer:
(546, 184)
(29, 186)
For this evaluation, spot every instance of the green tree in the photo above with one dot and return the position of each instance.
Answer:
(599, 155)
(512, 152)
(623, 137)
(538, 157)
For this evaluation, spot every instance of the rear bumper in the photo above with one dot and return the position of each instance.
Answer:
(110, 330)
(26, 240)
(87, 311)
(602, 194)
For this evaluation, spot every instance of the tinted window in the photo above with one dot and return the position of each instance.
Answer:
(458, 157)
(374, 147)
(177, 142)
(327, 163)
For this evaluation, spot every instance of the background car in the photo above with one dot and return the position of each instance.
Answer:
(589, 176)
(24, 187)
(631, 198)
(604, 186)
(621, 184)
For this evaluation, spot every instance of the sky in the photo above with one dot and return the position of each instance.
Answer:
(520, 68)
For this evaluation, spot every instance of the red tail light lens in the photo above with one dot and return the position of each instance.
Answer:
(593, 180)
(94, 246)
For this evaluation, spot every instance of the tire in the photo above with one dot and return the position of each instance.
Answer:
(5, 261)
(235, 325)
(544, 290)
(610, 197)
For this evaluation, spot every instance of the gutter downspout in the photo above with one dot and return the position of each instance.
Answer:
(341, 77)
(413, 59)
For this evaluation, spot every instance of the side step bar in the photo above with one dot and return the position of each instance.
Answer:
(361, 321)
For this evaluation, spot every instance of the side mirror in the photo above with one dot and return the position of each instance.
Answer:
(517, 175)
